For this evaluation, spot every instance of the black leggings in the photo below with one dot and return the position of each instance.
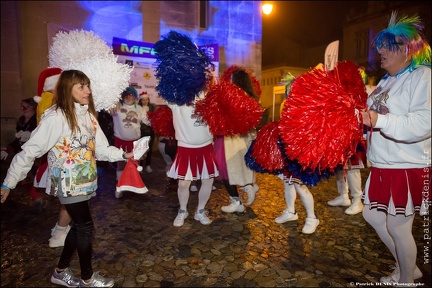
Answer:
(79, 238)
(232, 189)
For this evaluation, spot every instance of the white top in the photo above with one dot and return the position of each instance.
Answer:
(71, 158)
(402, 137)
(190, 130)
(127, 121)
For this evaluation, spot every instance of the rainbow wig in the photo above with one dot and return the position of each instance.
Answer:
(410, 33)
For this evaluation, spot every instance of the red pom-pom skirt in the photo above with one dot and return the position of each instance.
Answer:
(397, 191)
(194, 163)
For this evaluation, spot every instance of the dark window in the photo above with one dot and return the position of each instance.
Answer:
(362, 43)
(203, 14)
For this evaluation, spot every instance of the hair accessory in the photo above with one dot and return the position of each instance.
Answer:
(410, 33)
(87, 52)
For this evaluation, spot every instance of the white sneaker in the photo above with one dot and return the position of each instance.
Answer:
(355, 208)
(58, 237)
(251, 191)
(118, 195)
(213, 188)
(148, 169)
(340, 201)
(310, 225)
(394, 277)
(234, 206)
(193, 188)
(179, 220)
(286, 216)
(202, 217)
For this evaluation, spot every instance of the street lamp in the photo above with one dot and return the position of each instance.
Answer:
(267, 8)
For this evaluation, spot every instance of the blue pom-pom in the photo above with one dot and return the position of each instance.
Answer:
(181, 68)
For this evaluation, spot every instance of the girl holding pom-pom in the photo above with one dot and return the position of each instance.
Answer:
(230, 151)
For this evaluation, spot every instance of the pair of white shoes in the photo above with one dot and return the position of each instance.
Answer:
(199, 216)
(310, 224)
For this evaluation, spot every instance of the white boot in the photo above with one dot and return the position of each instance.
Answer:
(342, 187)
(251, 191)
(341, 200)
(354, 184)
(356, 206)
(287, 216)
(58, 234)
(235, 206)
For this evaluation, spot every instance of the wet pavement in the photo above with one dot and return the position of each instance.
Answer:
(137, 245)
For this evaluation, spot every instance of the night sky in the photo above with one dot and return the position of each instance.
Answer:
(309, 23)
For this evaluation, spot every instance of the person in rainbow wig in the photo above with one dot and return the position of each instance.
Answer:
(399, 143)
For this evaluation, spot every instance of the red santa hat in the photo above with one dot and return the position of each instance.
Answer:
(130, 179)
(48, 79)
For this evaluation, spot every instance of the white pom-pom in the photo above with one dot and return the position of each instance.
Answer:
(108, 79)
(74, 46)
(139, 168)
(87, 52)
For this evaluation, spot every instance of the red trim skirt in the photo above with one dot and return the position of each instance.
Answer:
(127, 146)
(397, 191)
(194, 163)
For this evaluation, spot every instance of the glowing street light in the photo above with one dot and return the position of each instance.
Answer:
(267, 8)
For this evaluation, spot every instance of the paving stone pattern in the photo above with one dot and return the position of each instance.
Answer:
(136, 243)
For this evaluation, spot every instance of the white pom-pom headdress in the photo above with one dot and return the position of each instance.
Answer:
(87, 52)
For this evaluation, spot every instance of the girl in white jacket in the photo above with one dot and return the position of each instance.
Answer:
(69, 132)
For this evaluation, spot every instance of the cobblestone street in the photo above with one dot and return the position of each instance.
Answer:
(136, 243)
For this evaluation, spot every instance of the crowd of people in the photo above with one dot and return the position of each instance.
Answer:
(397, 121)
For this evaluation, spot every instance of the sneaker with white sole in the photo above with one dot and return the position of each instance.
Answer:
(179, 220)
(287, 216)
(310, 225)
(97, 280)
(234, 206)
(341, 200)
(251, 191)
(202, 217)
(58, 237)
(394, 277)
(355, 208)
(65, 278)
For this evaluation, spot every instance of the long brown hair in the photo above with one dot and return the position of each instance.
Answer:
(63, 96)
(242, 79)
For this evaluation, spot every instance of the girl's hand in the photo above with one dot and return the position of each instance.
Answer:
(4, 194)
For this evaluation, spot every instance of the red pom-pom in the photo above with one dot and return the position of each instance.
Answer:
(266, 151)
(255, 82)
(348, 74)
(228, 110)
(319, 123)
(162, 121)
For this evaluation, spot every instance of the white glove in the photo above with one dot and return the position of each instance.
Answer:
(25, 135)
(4, 155)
